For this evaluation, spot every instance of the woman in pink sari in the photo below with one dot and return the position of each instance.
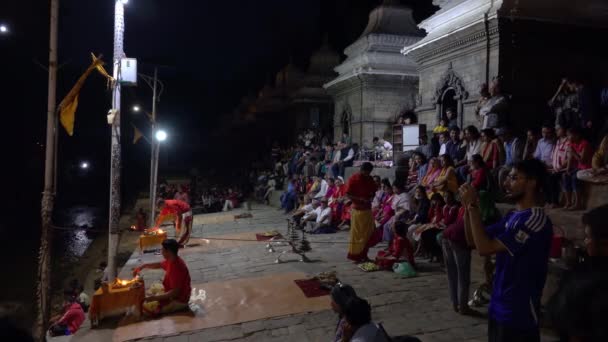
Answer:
(386, 208)
(433, 172)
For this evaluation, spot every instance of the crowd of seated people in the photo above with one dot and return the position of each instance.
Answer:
(217, 199)
(481, 156)
(422, 211)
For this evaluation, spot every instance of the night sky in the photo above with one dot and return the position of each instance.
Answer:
(209, 54)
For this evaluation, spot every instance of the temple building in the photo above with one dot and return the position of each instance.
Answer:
(311, 105)
(375, 83)
(529, 45)
(295, 101)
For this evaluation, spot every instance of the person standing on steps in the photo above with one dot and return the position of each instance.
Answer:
(521, 242)
(361, 189)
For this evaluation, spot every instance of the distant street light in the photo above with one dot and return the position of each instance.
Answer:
(136, 108)
(84, 165)
(161, 135)
(3, 29)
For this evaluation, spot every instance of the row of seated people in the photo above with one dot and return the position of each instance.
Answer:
(568, 156)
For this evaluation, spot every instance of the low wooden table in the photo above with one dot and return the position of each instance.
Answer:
(116, 301)
(151, 240)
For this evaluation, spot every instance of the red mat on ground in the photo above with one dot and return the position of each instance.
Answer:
(262, 237)
(312, 288)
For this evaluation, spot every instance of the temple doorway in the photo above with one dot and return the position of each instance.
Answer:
(449, 101)
(345, 122)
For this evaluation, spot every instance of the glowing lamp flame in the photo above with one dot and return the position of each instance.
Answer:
(160, 231)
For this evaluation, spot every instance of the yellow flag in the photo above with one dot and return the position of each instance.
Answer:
(136, 135)
(67, 107)
(101, 69)
(67, 116)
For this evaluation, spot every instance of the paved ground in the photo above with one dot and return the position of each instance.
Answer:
(416, 306)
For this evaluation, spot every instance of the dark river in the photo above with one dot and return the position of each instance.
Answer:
(22, 243)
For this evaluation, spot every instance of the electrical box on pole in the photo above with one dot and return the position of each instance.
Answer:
(128, 72)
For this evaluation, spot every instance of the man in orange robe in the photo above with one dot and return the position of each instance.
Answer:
(183, 215)
(361, 189)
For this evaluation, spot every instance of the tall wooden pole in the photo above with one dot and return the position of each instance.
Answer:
(46, 236)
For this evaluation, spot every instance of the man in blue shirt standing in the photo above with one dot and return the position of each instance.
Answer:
(521, 242)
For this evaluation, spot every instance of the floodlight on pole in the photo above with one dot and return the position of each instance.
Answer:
(161, 135)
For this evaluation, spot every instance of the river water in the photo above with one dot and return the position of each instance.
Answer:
(80, 225)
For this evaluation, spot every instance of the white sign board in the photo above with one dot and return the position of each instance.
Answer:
(411, 136)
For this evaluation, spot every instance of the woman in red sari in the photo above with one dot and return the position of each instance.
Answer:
(449, 214)
(336, 201)
(345, 215)
(400, 248)
(491, 150)
(435, 218)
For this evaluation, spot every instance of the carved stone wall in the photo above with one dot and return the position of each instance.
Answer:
(462, 62)
(373, 103)
(480, 39)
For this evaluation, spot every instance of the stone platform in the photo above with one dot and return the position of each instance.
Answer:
(416, 306)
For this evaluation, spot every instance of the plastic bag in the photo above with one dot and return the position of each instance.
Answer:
(404, 269)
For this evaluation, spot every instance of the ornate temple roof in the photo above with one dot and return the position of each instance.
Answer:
(324, 60)
(391, 18)
(458, 15)
(391, 27)
(288, 77)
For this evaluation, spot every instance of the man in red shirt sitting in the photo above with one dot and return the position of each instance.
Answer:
(183, 214)
(176, 281)
(71, 319)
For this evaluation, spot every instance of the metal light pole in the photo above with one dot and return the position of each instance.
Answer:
(158, 137)
(115, 169)
(46, 234)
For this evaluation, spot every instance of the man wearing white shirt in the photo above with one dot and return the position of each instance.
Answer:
(545, 146)
(349, 159)
(382, 144)
(351, 154)
(322, 189)
(311, 215)
(472, 137)
(303, 210)
(383, 147)
(322, 216)
(335, 162)
(443, 140)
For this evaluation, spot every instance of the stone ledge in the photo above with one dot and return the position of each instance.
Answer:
(569, 221)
